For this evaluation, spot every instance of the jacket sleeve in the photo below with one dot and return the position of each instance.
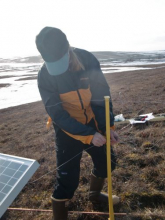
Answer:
(61, 117)
(99, 88)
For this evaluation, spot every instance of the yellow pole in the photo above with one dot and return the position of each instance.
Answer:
(111, 212)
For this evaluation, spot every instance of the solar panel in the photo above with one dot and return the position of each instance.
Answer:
(14, 174)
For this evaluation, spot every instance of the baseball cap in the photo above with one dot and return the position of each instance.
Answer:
(53, 46)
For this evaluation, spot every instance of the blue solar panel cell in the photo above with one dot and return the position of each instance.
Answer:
(6, 189)
(2, 196)
(6, 163)
(14, 166)
(23, 168)
(1, 161)
(12, 181)
(2, 169)
(9, 172)
(18, 174)
(1, 186)
(4, 178)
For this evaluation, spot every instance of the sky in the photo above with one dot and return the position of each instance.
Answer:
(94, 25)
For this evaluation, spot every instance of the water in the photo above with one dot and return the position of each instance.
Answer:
(20, 76)
(106, 70)
(19, 90)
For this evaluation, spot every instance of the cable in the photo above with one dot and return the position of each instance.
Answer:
(69, 161)
(91, 213)
(60, 165)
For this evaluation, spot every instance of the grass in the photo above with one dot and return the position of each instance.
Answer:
(139, 178)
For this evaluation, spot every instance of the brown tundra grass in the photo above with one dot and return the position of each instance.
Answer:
(139, 178)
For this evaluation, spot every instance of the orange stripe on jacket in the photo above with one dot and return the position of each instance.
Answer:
(83, 139)
(72, 104)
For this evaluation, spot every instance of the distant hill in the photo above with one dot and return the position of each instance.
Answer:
(103, 56)
(129, 56)
(31, 59)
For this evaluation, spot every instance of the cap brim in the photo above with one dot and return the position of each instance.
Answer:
(58, 67)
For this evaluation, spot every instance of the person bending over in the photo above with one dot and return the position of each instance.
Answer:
(72, 87)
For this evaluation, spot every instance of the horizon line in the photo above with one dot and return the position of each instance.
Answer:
(101, 51)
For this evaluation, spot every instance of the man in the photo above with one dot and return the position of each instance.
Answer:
(72, 88)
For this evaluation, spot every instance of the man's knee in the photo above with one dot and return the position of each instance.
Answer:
(66, 184)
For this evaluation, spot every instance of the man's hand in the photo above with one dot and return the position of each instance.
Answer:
(114, 137)
(98, 140)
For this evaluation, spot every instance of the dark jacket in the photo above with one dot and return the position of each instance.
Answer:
(74, 99)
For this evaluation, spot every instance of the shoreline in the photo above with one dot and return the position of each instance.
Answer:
(136, 65)
(112, 79)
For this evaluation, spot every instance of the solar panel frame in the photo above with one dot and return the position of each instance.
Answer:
(20, 181)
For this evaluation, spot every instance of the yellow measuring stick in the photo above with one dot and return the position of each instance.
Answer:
(107, 114)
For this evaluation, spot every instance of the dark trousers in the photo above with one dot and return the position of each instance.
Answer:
(68, 174)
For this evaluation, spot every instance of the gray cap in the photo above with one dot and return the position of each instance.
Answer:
(53, 46)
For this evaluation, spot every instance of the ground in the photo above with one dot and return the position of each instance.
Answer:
(139, 178)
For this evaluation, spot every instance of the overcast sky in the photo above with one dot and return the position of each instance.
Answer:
(94, 25)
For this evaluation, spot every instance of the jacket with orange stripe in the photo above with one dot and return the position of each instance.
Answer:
(73, 99)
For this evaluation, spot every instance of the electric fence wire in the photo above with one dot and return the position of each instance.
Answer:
(100, 100)
(60, 165)
(71, 160)
(125, 167)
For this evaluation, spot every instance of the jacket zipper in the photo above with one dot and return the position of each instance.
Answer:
(82, 106)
